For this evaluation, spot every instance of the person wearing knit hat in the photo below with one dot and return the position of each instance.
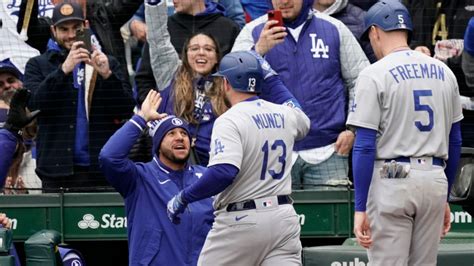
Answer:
(147, 187)
(160, 128)
(468, 54)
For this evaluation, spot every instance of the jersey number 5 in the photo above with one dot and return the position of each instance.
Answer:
(417, 94)
(281, 159)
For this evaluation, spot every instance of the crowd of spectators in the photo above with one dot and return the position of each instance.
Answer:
(87, 89)
(85, 96)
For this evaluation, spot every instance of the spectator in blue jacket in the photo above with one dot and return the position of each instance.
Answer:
(147, 188)
(318, 59)
(352, 16)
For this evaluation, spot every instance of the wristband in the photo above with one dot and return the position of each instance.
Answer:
(351, 129)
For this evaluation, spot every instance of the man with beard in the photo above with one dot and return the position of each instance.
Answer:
(10, 80)
(147, 187)
(83, 95)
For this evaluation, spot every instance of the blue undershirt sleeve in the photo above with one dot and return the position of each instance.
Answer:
(217, 178)
(273, 90)
(454, 154)
(363, 157)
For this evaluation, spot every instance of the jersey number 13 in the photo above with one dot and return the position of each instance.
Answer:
(266, 149)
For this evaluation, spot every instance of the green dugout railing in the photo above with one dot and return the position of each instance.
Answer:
(101, 216)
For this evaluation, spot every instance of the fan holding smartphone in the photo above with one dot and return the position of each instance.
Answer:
(84, 35)
(275, 15)
(273, 33)
(85, 90)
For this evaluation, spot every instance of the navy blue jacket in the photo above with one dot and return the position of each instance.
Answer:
(54, 94)
(147, 188)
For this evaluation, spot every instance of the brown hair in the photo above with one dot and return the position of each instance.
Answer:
(183, 90)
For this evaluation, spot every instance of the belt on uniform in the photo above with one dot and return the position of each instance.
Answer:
(250, 204)
(436, 161)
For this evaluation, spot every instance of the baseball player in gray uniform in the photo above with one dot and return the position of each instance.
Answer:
(406, 112)
(249, 170)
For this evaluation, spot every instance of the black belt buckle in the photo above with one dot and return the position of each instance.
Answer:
(241, 206)
(250, 204)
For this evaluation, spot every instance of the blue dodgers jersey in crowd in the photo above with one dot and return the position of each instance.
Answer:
(147, 188)
(314, 76)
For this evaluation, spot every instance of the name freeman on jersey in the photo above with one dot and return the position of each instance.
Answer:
(417, 71)
(269, 120)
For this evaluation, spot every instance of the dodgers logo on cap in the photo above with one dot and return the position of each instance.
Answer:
(176, 121)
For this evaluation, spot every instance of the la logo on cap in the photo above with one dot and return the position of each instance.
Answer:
(66, 10)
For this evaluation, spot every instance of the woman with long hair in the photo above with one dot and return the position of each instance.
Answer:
(187, 88)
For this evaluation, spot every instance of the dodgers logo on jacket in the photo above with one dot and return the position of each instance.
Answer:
(318, 48)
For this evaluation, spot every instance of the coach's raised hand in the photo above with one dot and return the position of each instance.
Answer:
(150, 105)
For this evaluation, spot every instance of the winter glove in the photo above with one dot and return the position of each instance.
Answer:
(17, 117)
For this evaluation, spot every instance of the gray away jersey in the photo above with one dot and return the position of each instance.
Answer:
(411, 100)
(257, 137)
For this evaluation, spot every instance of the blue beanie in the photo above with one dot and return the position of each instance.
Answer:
(7, 66)
(469, 37)
(159, 128)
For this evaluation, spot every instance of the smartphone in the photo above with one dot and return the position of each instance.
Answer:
(275, 15)
(84, 35)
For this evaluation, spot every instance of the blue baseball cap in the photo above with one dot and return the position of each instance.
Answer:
(389, 15)
(7, 66)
